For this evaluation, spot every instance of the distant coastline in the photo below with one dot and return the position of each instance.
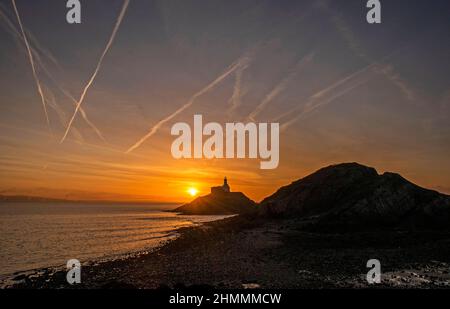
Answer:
(40, 199)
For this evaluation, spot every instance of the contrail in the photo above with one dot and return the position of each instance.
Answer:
(235, 66)
(91, 80)
(235, 99)
(318, 95)
(30, 36)
(280, 87)
(84, 115)
(15, 32)
(311, 107)
(389, 73)
(30, 56)
(63, 119)
(349, 36)
(74, 101)
(313, 102)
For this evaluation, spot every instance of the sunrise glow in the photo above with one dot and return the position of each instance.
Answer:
(192, 191)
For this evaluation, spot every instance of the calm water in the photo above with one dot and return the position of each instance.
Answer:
(37, 235)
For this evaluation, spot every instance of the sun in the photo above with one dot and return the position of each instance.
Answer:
(192, 191)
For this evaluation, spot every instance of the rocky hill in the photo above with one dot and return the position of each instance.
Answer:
(226, 203)
(350, 195)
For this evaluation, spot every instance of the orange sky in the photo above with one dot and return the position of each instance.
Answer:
(343, 92)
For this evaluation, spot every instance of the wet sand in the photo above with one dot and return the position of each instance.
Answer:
(249, 253)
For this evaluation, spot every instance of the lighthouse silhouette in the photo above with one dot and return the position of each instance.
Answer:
(225, 188)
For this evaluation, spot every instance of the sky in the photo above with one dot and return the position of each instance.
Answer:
(342, 90)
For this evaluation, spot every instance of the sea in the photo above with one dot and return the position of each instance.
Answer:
(41, 235)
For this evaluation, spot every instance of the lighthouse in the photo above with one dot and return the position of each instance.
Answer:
(225, 188)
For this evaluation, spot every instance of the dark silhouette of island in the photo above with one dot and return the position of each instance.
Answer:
(221, 201)
(348, 195)
(351, 195)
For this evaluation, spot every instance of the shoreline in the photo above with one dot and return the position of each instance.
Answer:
(167, 230)
(50, 270)
(14, 277)
(36, 277)
(246, 253)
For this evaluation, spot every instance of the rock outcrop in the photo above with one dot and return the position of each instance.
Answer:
(352, 195)
(225, 203)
